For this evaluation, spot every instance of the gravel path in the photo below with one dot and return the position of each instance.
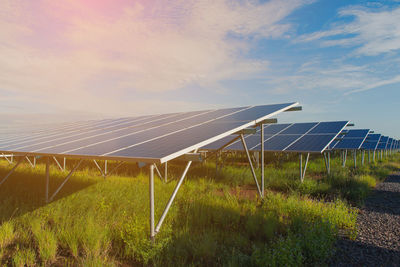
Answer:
(378, 240)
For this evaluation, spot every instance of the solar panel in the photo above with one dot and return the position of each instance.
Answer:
(311, 143)
(299, 128)
(294, 137)
(155, 138)
(371, 142)
(353, 139)
(382, 142)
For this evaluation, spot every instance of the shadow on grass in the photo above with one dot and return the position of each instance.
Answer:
(24, 190)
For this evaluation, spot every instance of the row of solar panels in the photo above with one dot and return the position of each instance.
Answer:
(159, 138)
(313, 137)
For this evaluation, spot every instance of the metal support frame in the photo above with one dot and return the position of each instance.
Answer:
(251, 165)
(99, 168)
(62, 184)
(362, 157)
(5, 156)
(156, 229)
(373, 156)
(58, 164)
(158, 172)
(327, 159)
(303, 171)
(344, 158)
(166, 172)
(369, 156)
(262, 161)
(355, 158)
(12, 170)
(33, 164)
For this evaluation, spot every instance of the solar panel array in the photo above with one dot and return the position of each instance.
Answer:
(155, 138)
(352, 139)
(313, 137)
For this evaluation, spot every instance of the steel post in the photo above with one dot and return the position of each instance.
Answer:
(301, 166)
(47, 178)
(305, 167)
(251, 164)
(166, 171)
(151, 193)
(355, 158)
(262, 161)
(171, 200)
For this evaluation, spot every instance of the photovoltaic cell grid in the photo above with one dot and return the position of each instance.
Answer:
(155, 138)
(383, 142)
(352, 139)
(311, 137)
(371, 142)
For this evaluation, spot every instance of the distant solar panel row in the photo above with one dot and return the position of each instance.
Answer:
(371, 142)
(156, 138)
(351, 139)
(295, 137)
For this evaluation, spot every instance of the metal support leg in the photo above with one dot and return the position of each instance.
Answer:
(65, 180)
(98, 167)
(369, 156)
(328, 170)
(362, 157)
(58, 164)
(373, 156)
(166, 172)
(105, 167)
(301, 166)
(305, 167)
(30, 162)
(47, 178)
(158, 172)
(9, 161)
(262, 161)
(65, 163)
(12, 170)
(171, 200)
(344, 158)
(251, 164)
(355, 158)
(151, 193)
(329, 161)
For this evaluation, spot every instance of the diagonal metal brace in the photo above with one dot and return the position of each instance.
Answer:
(65, 180)
(251, 164)
(12, 170)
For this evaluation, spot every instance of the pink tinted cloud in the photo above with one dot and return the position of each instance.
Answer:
(64, 52)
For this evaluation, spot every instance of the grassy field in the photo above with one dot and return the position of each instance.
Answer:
(215, 220)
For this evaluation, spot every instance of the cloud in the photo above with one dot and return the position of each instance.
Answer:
(88, 55)
(372, 32)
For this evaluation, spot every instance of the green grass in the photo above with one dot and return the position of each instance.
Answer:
(215, 220)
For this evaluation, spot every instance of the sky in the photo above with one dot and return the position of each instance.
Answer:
(74, 60)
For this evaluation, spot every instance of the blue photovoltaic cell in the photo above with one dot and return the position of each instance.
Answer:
(332, 127)
(352, 139)
(275, 128)
(299, 128)
(280, 142)
(382, 142)
(360, 133)
(371, 142)
(311, 143)
(349, 143)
